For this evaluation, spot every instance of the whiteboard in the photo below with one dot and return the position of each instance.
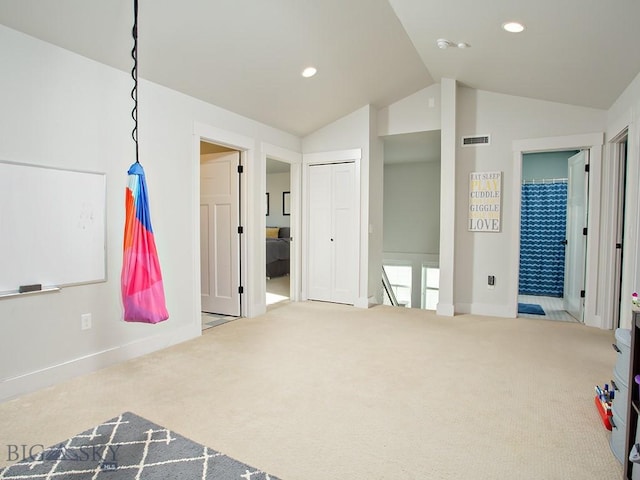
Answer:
(52, 226)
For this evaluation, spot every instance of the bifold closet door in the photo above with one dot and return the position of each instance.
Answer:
(333, 227)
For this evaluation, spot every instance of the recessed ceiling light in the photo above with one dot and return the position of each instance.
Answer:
(309, 72)
(513, 27)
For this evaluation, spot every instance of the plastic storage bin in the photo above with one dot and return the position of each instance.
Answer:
(623, 349)
(620, 401)
(618, 437)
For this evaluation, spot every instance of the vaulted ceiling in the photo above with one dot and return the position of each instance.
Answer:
(247, 55)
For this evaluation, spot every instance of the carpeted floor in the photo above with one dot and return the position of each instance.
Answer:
(318, 391)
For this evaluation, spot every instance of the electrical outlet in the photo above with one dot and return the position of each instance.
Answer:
(85, 321)
(491, 282)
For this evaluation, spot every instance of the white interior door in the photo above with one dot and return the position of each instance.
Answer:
(345, 228)
(333, 227)
(576, 240)
(320, 232)
(219, 220)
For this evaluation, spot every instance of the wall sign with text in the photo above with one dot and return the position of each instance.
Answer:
(485, 197)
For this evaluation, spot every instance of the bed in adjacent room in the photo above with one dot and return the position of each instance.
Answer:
(278, 249)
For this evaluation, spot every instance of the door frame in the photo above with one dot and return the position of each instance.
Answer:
(294, 159)
(246, 147)
(592, 142)
(611, 186)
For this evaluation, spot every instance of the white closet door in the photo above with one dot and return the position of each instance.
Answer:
(333, 230)
(320, 232)
(344, 243)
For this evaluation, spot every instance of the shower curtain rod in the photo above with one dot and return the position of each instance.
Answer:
(545, 180)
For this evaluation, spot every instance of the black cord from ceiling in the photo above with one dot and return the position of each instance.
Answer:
(134, 75)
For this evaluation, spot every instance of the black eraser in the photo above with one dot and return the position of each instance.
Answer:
(30, 288)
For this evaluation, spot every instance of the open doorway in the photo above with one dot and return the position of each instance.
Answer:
(278, 232)
(620, 183)
(553, 217)
(219, 234)
(411, 237)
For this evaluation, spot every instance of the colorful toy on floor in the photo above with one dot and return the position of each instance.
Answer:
(603, 400)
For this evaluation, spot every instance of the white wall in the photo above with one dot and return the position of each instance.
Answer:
(60, 109)
(412, 208)
(506, 118)
(419, 112)
(276, 184)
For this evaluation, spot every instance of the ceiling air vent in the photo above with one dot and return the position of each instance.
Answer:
(475, 140)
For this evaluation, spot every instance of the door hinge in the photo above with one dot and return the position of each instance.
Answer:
(241, 289)
(618, 245)
(240, 169)
(584, 231)
(241, 230)
(582, 293)
(586, 167)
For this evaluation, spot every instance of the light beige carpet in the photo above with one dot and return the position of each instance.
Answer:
(318, 391)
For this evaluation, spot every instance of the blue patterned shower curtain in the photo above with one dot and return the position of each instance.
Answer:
(543, 220)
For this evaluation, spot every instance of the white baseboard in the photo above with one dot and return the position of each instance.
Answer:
(46, 377)
(485, 309)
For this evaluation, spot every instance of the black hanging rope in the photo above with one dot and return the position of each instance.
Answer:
(134, 75)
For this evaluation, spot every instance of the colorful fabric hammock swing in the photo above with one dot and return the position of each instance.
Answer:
(141, 278)
(142, 288)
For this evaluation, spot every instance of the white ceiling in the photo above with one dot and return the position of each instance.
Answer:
(247, 55)
(581, 52)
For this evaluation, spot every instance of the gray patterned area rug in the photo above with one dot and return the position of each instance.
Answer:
(130, 447)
